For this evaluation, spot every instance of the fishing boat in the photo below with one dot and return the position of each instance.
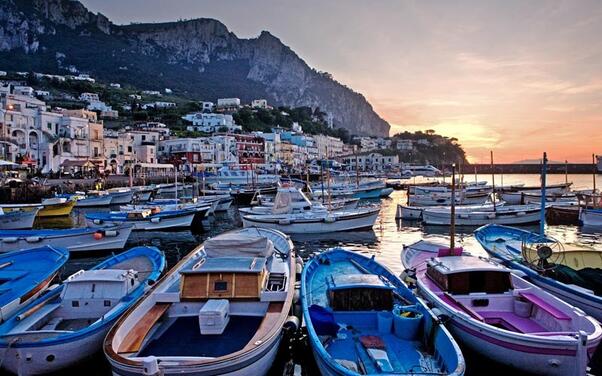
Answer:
(515, 195)
(49, 207)
(569, 271)
(18, 219)
(361, 319)
(26, 274)
(505, 215)
(231, 176)
(220, 310)
(74, 239)
(590, 217)
(562, 215)
(142, 193)
(415, 212)
(145, 219)
(89, 199)
(68, 324)
(500, 315)
(120, 196)
(445, 199)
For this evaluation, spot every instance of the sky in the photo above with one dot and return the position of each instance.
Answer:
(512, 76)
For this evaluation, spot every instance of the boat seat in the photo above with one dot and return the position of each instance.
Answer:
(52, 324)
(540, 303)
(512, 322)
(133, 340)
(449, 299)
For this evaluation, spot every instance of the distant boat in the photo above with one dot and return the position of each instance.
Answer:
(591, 217)
(361, 319)
(571, 272)
(121, 196)
(49, 207)
(220, 310)
(444, 198)
(145, 219)
(505, 215)
(18, 219)
(26, 274)
(75, 239)
(90, 199)
(515, 195)
(69, 323)
(415, 212)
(422, 170)
(500, 315)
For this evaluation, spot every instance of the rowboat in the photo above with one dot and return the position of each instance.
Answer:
(562, 215)
(220, 310)
(361, 319)
(50, 207)
(18, 219)
(75, 239)
(500, 315)
(26, 274)
(515, 195)
(567, 271)
(415, 212)
(505, 215)
(145, 219)
(67, 324)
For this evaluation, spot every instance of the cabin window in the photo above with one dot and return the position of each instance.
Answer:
(361, 299)
(220, 286)
(479, 281)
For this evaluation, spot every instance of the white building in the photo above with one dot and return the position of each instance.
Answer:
(328, 146)
(151, 92)
(115, 85)
(368, 143)
(158, 104)
(207, 106)
(89, 97)
(23, 90)
(259, 103)
(405, 145)
(228, 102)
(209, 123)
(371, 162)
(168, 91)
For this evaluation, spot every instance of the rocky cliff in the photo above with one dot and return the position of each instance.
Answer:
(200, 57)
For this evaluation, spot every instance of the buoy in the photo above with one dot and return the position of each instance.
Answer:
(98, 235)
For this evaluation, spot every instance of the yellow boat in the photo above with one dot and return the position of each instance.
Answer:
(51, 207)
(575, 256)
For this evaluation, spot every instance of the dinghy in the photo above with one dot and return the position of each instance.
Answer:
(144, 219)
(26, 274)
(500, 315)
(505, 215)
(571, 272)
(67, 324)
(220, 310)
(18, 219)
(74, 239)
(361, 319)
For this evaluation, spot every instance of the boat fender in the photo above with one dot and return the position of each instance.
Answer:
(111, 233)
(33, 239)
(98, 221)
(150, 366)
(12, 239)
(292, 323)
(491, 216)
(521, 214)
(155, 219)
(330, 219)
(284, 222)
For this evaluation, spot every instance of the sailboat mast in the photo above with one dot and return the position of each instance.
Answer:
(492, 179)
(542, 216)
(452, 227)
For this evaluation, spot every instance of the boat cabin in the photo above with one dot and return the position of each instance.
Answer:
(461, 275)
(289, 199)
(359, 292)
(139, 214)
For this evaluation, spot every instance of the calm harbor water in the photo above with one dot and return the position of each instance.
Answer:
(385, 241)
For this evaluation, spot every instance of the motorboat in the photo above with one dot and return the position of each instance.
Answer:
(572, 272)
(121, 196)
(26, 274)
(18, 219)
(500, 315)
(145, 219)
(415, 212)
(220, 310)
(445, 199)
(68, 323)
(75, 239)
(505, 215)
(361, 319)
(49, 207)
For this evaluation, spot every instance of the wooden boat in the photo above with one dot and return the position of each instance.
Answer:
(90, 199)
(415, 212)
(145, 219)
(50, 207)
(500, 315)
(121, 196)
(444, 199)
(18, 219)
(220, 310)
(67, 324)
(562, 215)
(75, 239)
(549, 264)
(361, 319)
(515, 195)
(505, 215)
(590, 217)
(26, 274)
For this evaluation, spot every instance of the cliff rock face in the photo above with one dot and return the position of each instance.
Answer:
(200, 57)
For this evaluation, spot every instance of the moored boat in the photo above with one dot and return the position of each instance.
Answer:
(67, 324)
(75, 239)
(505, 215)
(220, 310)
(18, 219)
(361, 319)
(415, 212)
(145, 219)
(49, 207)
(571, 272)
(500, 315)
(444, 199)
(590, 217)
(26, 274)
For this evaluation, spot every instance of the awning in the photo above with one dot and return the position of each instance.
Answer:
(77, 163)
(155, 165)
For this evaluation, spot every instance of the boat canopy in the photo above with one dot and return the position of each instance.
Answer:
(285, 198)
(233, 245)
(359, 292)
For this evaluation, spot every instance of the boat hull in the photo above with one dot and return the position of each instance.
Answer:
(104, 200)
(442, 218)
(121, 198)
(591, 217)
(182, 221)
(18, 220)
(57, 210)
(348, 223)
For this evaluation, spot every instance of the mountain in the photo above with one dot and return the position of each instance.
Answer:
(200, 58)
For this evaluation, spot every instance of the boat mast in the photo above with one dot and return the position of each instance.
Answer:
(594, 177)
(542, 216)
(566, 172)
(357, 168)
(452, 227)
(322, 178)
(328, 177)
(176, 182)
(492, 180)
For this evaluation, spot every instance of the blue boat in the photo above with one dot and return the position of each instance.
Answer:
(69, 322)
(147, 219)
(25, 274)
(361, 319)
(571, 272)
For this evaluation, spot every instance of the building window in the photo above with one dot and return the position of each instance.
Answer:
(129, 149)
(49, 126)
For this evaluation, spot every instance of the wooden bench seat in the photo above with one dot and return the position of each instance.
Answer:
(133, 340)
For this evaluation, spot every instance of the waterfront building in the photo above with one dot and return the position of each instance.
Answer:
(404, 145)
(332, 145)
(118, 151)
(259, 103)
(194, 150)
(370, 162)
(210, 123)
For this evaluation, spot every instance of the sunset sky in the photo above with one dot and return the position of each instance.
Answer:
(515, 77)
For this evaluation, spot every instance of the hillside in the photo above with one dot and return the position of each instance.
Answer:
(200, 59)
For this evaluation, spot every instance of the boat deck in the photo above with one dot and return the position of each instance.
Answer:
(184, 338)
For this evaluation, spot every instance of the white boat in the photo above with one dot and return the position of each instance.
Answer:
(145, 219)
(230, 176)
(590, 217)
(74, 239)
(422, 170)
(444, 199)
(18, 219)
(219, 311)
(91, 199)
(67, 324)
(500, 315)
(415, 212)
(515, 195)
(120, 196)
(505, 215)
